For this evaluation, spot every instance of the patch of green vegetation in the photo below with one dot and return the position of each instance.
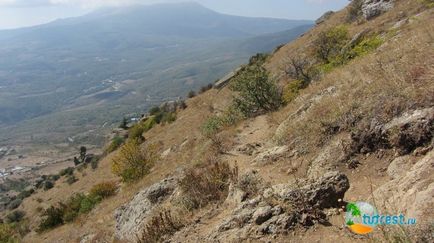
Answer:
(292, 90)
(427, 3)
(256, 92)
(75, 206)
(367, 45)
(116, 142)
(333, 48)
(8, 234)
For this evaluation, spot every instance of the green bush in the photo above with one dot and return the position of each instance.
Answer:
(136, 132)
(14, 204)
(15, 216)
(256, 92)
(71, 179)
(367, 45)
(149, 124)
(48, 185)
(116, 142)
(168, 117)
(8, 234)
(212, 126)
(67, 171)
(25, 194)
(292, 90)
(328, 45)
(154, 110)
(52, 217)
(191, 94)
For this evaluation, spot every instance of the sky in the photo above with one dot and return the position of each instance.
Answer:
(22, 13)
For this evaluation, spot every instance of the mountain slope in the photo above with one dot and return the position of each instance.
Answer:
(362, 131)
(119, 61)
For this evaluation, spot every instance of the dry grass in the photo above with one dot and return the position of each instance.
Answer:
(205, 184)
(394, 79)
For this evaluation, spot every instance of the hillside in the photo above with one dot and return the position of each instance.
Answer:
(119, 62)
(342, 114)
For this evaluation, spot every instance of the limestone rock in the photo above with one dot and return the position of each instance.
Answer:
(373, 8)
(131, 217)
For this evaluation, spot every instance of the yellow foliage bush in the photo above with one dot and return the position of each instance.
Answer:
(132, 163)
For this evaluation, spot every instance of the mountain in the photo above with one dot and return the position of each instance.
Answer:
(116, 61)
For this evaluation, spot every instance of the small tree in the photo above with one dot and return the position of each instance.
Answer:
(132, 163)
(83, 151)
(257, 93)
(124, 124)
(301, 69)
(191, 94)
(330, 42)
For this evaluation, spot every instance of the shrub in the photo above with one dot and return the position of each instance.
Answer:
(160, 226)
(256, 92)
(14, 204)
(25, 194)
(367, 45)
(67, 171)
(52, 217)
(48, 185)
(53, 177)
(71, 179)
(104, 189)
(15, 216)
(168, 117)
(149, 124)
(116, 142)
(191, 94)
(136, 132)
(208, 183)
(94, 163)
(329, 44)
(132, 163)
(301, 69)
(212, 126)
(292, 90)
(205, 88)
(154, 110)
(7, 233)
(124, 123)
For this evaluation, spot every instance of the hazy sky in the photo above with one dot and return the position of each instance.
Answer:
(19, 13)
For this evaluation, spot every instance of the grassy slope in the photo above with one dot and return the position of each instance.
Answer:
(375, 82)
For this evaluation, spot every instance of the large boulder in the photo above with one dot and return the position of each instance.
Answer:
(373, 8)
(131, 217)
(323, 193)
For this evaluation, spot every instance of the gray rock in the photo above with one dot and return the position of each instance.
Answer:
(262, 214)
(373, 8)
(131, 217)
(324, 193)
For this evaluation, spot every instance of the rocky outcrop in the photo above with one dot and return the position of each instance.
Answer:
(306, 207)
(373, 8)
(323, 193)
(172, 106)
(411, 192)
(131, 217)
